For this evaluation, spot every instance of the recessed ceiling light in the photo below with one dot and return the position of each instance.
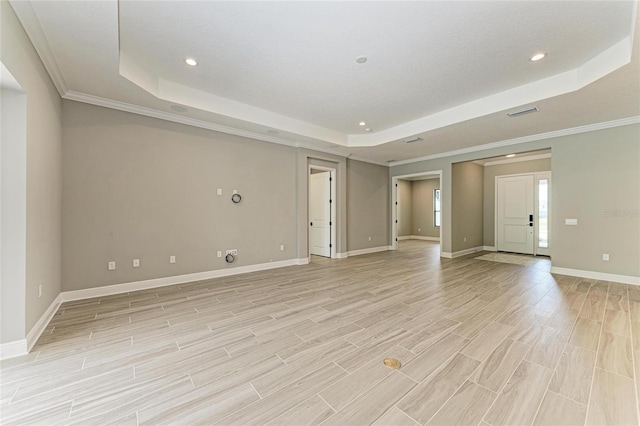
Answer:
(537, 57)
(362, 123)
(191, 62)
(367, 129)
(510, 155)
(361, 59)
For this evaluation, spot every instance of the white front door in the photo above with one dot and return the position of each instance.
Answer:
(515, 214)
(320, 213)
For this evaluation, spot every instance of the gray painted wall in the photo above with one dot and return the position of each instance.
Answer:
(13, 217)
(405, 201)
(466, 205)
(138, 187)
(367, 201)
(422, 207)
(490, 173)
(596, 179)
(43, 172)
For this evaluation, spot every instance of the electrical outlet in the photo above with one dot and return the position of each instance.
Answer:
(219, 254)
(219, 191)
(40, 290)
(605, 257)
(281, 247)
(172, 259)
(111, 266)
(573, 222)
(465, 239)
(369, 238)
(232, 251)
(136, 263)
(419, 230)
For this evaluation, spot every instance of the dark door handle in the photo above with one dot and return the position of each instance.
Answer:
(530, 223)
(311, 223)
(530, 218)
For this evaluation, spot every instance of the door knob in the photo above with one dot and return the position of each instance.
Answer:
(311, 223)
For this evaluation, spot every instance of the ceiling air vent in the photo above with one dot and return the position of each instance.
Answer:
(527, 110)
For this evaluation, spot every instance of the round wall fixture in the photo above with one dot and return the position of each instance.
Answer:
(229, 258)
(236, 198)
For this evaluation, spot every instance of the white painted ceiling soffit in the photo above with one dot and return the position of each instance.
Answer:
(294, 73)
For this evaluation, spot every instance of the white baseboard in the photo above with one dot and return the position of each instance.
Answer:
(424, 238)
(177, 279)
(368, 250)
(22, 347)
(342, 255)
(461, 252)
(489, 248)
(602, 276)
(38, 328)
(13, 349)
(418, 237)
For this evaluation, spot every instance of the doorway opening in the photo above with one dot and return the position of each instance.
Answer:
(416, 208)
(322, 212)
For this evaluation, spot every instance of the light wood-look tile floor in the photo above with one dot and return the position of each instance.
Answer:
(481, 343)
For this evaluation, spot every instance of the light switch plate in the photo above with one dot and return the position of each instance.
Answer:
(572, 222)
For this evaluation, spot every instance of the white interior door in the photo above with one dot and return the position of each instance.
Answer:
(515, 214)
(320, 213)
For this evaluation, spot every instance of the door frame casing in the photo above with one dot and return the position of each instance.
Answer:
(333, 218)
(536, 175)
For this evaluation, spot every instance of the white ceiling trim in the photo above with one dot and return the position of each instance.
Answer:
(524, 139)
(24, 10)
(611, 59)
(148, 112)
(185, 95)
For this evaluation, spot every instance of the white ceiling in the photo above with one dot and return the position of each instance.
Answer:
(285, 72)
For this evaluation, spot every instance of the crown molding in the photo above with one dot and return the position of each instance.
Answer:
(161, 115)
(524, 139)
(24, 11)
(365, 160)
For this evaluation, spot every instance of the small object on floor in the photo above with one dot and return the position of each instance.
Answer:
(392, 363)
